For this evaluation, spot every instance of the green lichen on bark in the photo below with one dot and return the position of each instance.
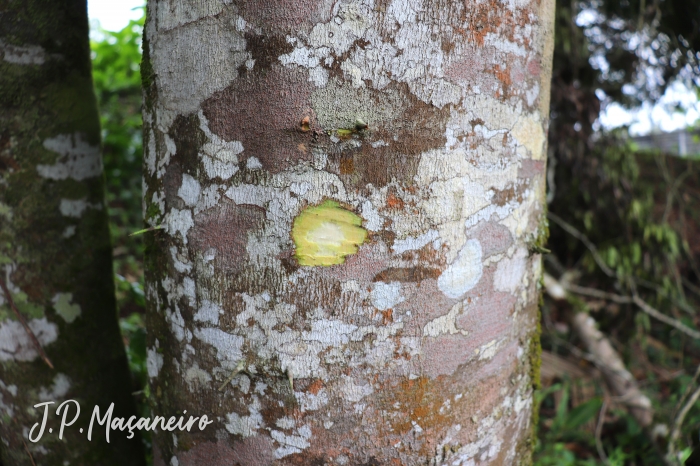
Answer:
(54, 238)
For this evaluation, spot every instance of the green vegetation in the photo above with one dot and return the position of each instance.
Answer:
(116, 58)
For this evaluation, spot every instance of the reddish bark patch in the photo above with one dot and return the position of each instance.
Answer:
(157, 456)
(420, 128)
(252, 451)
(534, 67)
(363, 266)
(225, 228)
(413, 274)
(285, 16)
(445, 353)
(494, 238)
(530, 168)
(263, 111)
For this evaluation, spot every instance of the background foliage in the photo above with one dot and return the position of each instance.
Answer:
(639, 209)
(116, 59)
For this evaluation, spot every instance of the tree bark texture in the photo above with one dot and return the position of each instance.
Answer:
(55, 253)
(351, 201)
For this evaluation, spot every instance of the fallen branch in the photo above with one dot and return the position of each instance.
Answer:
(618, 379)
(29, 331)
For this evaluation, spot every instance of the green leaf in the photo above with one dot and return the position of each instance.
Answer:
(583, 413)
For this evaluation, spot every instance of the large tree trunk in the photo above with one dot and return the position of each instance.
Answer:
(351, 195)
(55, 254)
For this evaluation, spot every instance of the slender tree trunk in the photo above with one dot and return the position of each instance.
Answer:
(351, 200)
(55, 254)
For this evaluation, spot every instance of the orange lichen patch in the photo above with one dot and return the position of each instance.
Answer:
(305, 124)
(387, 316)
(315, 387)
(419, 402)
(503, 196)
(503, 75)
(347, 166)
(394, 202)
(302, 148)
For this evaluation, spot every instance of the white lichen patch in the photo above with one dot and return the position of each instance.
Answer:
(246, 426)
(154, 362)
(511, 271)
(77, 159)
(17, 345)
(62, 303)
(174, 13)
(464, 273)
(488, 350)
(415, 243)
(228, 346)
(179, 221)
(386, 295)
(189, 190)
(208, 312)
(76, 207)
(291, 444)
(531, 136)
(445, 324)
(196, 378)
(60, 387)
(23, 55)
(189, 75)
(180, 262)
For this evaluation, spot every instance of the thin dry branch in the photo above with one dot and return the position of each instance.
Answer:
(680, 417)
(664, 318)
(639, 302)
(29, 331)
(570, 229)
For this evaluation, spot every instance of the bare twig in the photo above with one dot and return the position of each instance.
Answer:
(599, 430)
(29, 331)
(687, 390)
(680, 417)
(664, 318)
(26, 447)
(643, 305)
(570, 229)
(595, 293)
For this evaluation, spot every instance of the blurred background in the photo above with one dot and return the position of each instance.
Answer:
(620, 339)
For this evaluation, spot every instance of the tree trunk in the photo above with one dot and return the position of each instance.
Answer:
(55, 254)
(351, 201)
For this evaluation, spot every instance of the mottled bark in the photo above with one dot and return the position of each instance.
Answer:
(55, 254)
(351, 194)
